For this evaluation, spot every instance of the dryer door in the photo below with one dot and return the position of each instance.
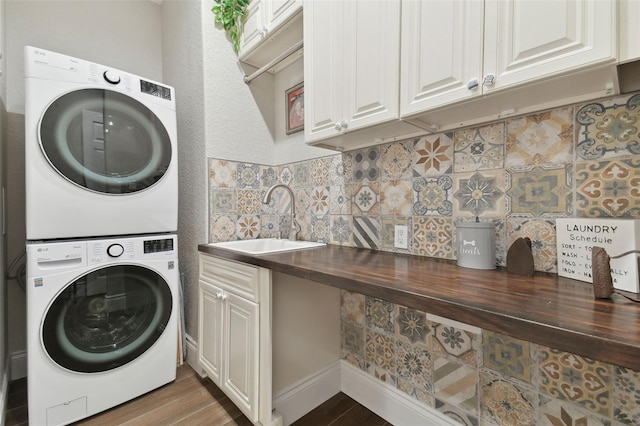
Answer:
(106, 318)
(105, 141)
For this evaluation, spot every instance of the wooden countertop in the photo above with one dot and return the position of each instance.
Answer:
(546, 309)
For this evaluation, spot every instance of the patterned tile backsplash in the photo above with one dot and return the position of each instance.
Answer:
(520, 173)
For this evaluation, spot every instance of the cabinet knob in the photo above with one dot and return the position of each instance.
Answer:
(472, 84)
(344, 124)
(489, 80)
(220, 295)
(337, 126)
(264, 31)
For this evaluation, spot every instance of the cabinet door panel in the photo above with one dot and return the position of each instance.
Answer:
(253, 25)
(441, 52)
(240, 352)
(210, 337)
(534, 38)
(322, 29)
(278, 12)
(371, 53)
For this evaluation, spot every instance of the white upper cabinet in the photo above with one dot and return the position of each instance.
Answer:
(269, 28)
(351, 69)
(452, 51)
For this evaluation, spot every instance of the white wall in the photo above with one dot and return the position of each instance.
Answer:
(125, 35)
(3, 283)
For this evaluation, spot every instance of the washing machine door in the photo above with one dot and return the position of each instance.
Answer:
(104, 141)
(106, 318)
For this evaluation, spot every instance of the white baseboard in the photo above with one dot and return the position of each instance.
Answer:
(18, 363)
(4, 391)
(393, 405)
(305, 395)
(192, 354)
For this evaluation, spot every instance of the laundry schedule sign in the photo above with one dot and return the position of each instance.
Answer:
(575, 238)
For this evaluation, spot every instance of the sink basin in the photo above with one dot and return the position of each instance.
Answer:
(266, 245)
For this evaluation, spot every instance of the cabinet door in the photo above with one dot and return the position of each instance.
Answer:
(324, 82)
(240, 353)
(210, 313)
(441, 52)
(371, 52)
(253, 27)
(529, 39)
(277, 12)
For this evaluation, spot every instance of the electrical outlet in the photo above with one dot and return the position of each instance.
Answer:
(401, 240)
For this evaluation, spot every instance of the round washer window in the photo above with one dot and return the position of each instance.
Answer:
(105, 141)
(107, 318)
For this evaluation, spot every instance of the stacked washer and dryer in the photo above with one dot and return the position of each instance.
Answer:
(101, 217)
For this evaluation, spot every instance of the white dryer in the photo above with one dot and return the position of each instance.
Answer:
(101, 323)
(100, 150)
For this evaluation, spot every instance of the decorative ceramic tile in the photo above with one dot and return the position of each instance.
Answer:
(380, 351)
(544, 191)
(222, 228)
(340, 199)
(506, 403)
(268, 176)
(456, 383)
(320, 229)
(352, 307)
(433, 155)
(388, 233)
(303, 202)
(543, 241)
(269, 226)
(479, 194)
(222, 174)
(301, 174)
(626, 396)
(576, 379)
(540, 139)
(415, 392)
(320, 171)
(365, 165)
(352, 338)
(341, 233)
(381, 374)
(500, 228)
(456, 414)
(609, 128)
(340, 169)
(455, 344)
(285, 175)
(248, 227)
(379, 315)
(354, 360)
(555, 412)
(411, 325)
(479, 148)
(304, 220)
(433, 236)
(414, 365)
(248, 176)
(223, 201)
(432, 196)
(511, 357)
(366, 232)
(396, 160)
(396, 198)
(320, 198)
(249, 201)
(608, 188)
(365, 199)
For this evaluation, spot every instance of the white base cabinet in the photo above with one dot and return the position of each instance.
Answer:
(234, 334)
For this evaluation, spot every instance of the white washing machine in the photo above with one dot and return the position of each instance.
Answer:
(100, 150)
(101, 323)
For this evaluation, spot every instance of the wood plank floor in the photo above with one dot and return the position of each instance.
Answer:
(191, 400)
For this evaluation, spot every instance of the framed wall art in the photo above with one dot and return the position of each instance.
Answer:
(295, 108)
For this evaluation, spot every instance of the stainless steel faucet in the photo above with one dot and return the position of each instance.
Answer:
(295, 227)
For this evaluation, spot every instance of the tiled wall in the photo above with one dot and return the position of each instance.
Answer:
(482, 378)
(521, 174)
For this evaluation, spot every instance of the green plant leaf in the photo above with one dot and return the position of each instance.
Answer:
(229, 13)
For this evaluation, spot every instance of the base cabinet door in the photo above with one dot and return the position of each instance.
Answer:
(210, 336)
(240, 352)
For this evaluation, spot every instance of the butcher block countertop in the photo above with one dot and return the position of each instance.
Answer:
(546, 309)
